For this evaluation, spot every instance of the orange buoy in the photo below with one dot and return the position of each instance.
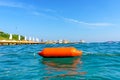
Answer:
(60, 52)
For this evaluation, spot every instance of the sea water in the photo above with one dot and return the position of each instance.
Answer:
(100, 61)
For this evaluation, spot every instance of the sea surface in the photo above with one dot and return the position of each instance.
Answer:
(100, 61)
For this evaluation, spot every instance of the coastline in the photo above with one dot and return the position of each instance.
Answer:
(14, 42)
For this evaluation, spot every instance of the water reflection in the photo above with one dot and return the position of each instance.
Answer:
(62, 62)
(65, 66)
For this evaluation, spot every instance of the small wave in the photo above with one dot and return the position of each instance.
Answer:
(2, 54)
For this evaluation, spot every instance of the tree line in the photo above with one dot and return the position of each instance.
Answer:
(5, 36)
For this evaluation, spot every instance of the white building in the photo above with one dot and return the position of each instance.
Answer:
(37, 40)
(19, 37)
(25, 38)
(10, 37)
(30, 38)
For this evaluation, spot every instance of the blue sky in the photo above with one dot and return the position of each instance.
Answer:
(90, 20)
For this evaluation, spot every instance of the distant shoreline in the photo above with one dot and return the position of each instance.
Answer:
(17, 42)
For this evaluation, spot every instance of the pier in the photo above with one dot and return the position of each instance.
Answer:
(13, 42)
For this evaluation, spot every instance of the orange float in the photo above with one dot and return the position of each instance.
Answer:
(60, 52)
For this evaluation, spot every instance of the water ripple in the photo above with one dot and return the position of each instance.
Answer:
(22, 62)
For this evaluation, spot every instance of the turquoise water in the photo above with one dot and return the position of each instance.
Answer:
(100, 61)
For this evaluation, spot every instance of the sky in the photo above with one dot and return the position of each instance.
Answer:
(89, 20)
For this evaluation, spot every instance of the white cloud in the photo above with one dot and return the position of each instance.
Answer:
(49, 10)
(86, 23)
(15, 4)
(36, 13)
(100, 24)
(32, 9)
(11, 4)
